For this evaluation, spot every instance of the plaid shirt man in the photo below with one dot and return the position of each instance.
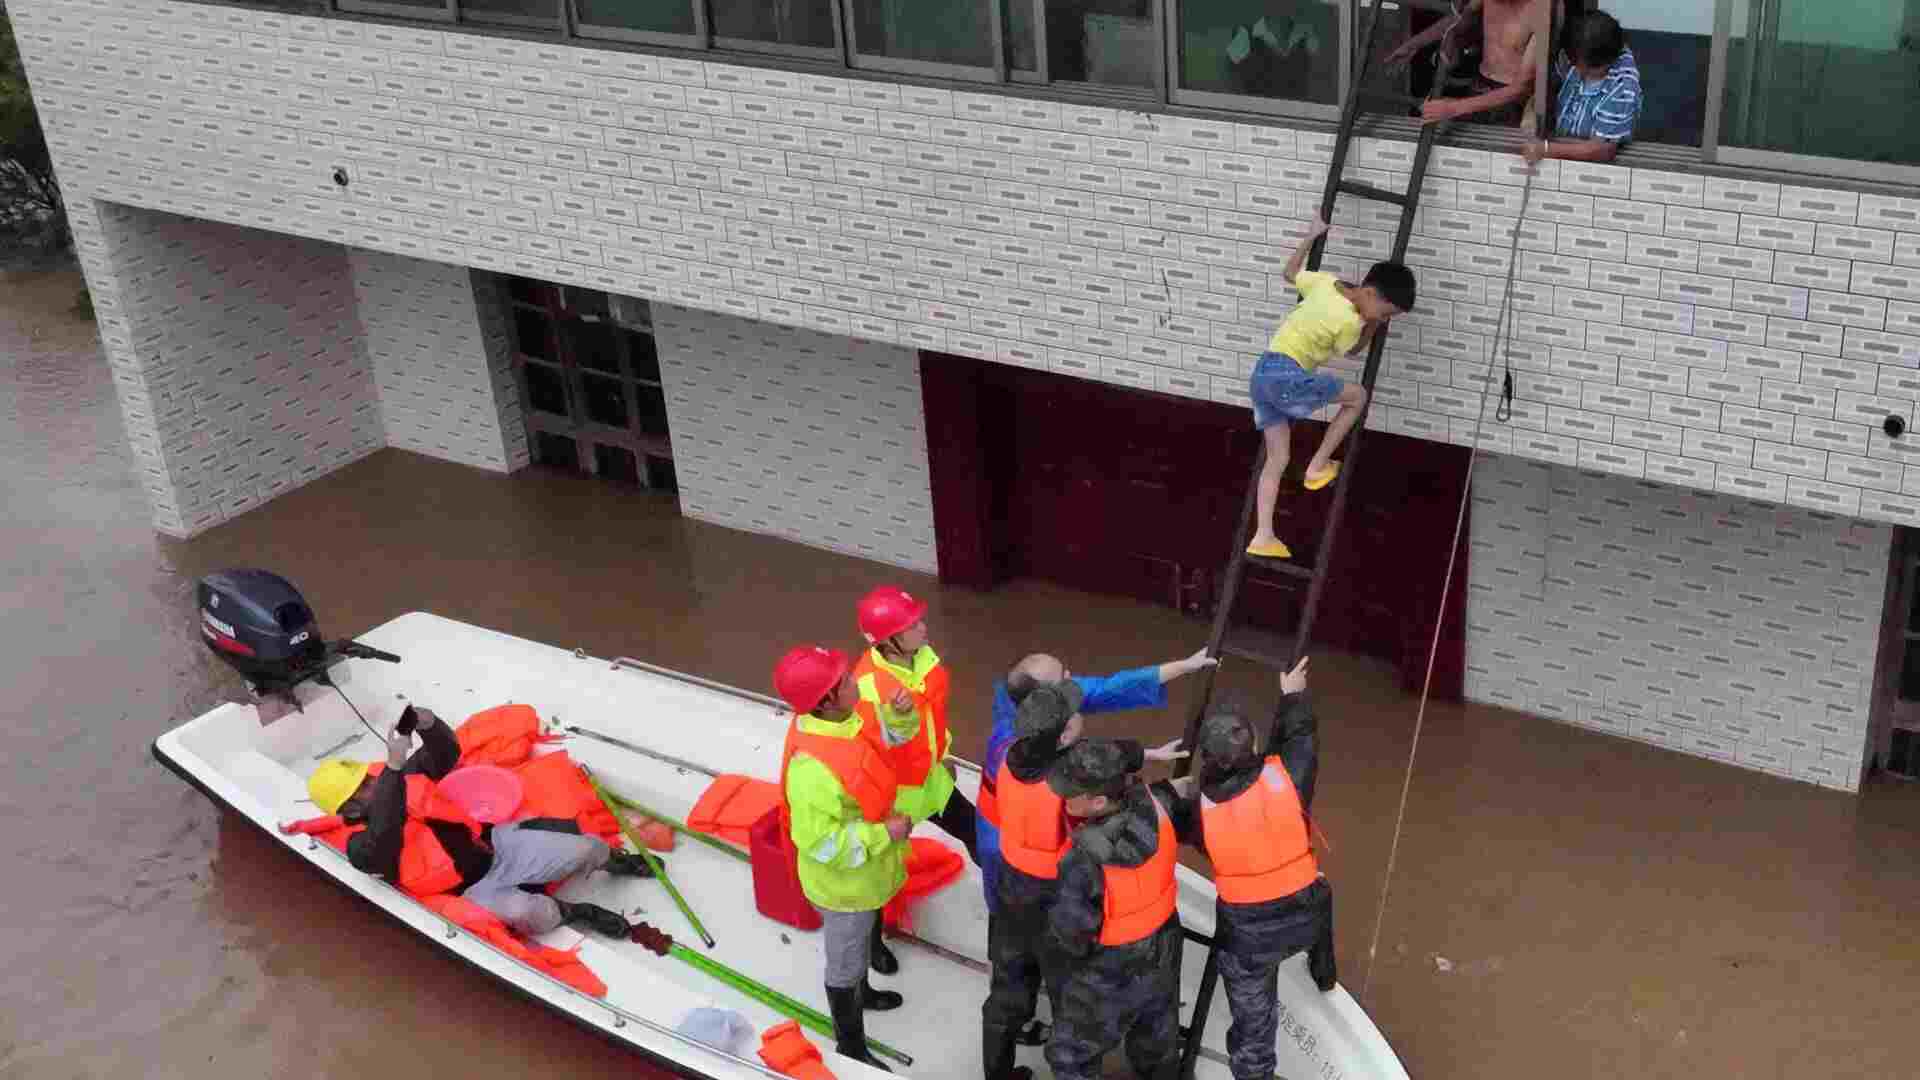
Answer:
(1606, 109)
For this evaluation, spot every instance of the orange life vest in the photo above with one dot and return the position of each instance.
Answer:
(1257, 840)
(987, 802)
(1140, 899)
(863, 772)
(1033, 829)
(425, 866)
(914, 759)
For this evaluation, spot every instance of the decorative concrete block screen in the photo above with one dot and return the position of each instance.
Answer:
(786, 431)
(1721, 335)
(1708, 624)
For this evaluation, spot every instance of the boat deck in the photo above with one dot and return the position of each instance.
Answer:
(456, 670)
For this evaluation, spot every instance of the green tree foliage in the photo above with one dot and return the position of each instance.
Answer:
(29, 193)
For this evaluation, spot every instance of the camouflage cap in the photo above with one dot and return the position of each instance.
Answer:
(1091, 767)
(1227, 740)
(1048, 708)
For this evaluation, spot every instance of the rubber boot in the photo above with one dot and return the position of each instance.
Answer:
(1320, 964)
(627, 864)
(850, 1025)
(879, 1000)
(996, 1050)
(880, 956)
(595, 918)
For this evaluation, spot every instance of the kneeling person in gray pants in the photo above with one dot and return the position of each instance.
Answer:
(500, 869)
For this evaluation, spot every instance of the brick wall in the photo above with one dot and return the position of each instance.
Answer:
(235, 356)
(813, 437)
(1709, 624)
(438, 339)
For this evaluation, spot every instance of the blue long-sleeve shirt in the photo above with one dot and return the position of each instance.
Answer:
(1135, 688)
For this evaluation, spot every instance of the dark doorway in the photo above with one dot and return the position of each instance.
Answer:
(1130, 492)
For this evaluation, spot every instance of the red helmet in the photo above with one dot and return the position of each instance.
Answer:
(887, 610)
(807, 674)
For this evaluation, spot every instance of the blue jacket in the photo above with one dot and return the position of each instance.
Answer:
(1135, 688)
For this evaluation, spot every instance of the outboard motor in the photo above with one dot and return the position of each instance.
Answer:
(261, 626)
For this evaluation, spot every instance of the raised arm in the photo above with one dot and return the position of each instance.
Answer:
(1299, 261)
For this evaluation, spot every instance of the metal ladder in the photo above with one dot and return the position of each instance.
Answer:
(1361, 99)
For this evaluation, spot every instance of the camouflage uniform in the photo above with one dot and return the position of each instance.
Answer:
(1017, 922)
(1111, 994)
(1252, 940)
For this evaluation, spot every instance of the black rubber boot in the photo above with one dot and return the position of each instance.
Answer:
(850, 1025)
(627, 864)
(996, 1050)
(879, 1000)
(881, 957)
(1320, 964)
(595, 918)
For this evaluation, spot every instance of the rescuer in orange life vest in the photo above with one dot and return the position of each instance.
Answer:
(1034, 834)
(427, 845)
(1114, 927)
(850, 844)
(903, 679)
(1251, 820)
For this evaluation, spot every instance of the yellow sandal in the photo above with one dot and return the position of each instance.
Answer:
(1275, 550)
(1316, 481)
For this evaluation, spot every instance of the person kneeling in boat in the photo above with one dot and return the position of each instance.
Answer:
(1251, 820)
(1114, 927)
(427, 845)
(903, 680)
(1034, 834)
(851, 846)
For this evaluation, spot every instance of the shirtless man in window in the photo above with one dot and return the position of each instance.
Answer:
(1513, 37)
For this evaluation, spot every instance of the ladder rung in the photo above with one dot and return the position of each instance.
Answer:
(1368, 191)
(1265, 649)
(1279, 566)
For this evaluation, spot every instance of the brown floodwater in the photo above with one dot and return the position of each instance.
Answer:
(1565, 904)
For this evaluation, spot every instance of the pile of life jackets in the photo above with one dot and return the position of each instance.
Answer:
(553, 787)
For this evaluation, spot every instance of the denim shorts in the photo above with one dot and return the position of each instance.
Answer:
(1282, 390)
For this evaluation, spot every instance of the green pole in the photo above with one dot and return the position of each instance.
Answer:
(681, 828)
(791, 1008)
(659, 869)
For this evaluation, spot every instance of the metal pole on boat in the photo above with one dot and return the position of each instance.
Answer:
(681, 827)
(659, 868)
(681, 763)
(663, 945)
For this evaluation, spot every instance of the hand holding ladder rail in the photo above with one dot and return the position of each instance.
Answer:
(1361, 98)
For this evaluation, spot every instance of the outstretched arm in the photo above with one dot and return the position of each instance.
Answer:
(1299, 261)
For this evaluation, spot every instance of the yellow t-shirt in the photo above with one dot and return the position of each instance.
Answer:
(1324, 325)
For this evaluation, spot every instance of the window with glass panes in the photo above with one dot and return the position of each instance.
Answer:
(590, 383)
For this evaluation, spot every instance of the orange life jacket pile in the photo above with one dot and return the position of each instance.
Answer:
(554, 787)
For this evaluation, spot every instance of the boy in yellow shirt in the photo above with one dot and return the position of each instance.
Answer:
(1333, 318)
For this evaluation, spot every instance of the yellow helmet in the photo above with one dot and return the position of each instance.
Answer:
(334, 782)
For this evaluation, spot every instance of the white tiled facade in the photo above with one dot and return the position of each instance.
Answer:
(235, 354)
(794, 433)
(1730, 339)
(442, 358)
(1708, 624)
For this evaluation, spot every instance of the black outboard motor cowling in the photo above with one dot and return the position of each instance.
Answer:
(261, 626)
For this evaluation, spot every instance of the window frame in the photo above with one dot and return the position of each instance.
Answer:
(699, 39)
(1043, 75)
(446, 13)
(993, 73)
(836, 53)
(514, 21)
(1713, 150)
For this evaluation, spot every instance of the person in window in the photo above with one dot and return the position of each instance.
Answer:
(1598, 98)
(1491, 54)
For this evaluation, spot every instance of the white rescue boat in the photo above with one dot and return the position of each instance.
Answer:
(259, 771)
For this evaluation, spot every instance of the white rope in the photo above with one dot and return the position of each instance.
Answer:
(1502, 338)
